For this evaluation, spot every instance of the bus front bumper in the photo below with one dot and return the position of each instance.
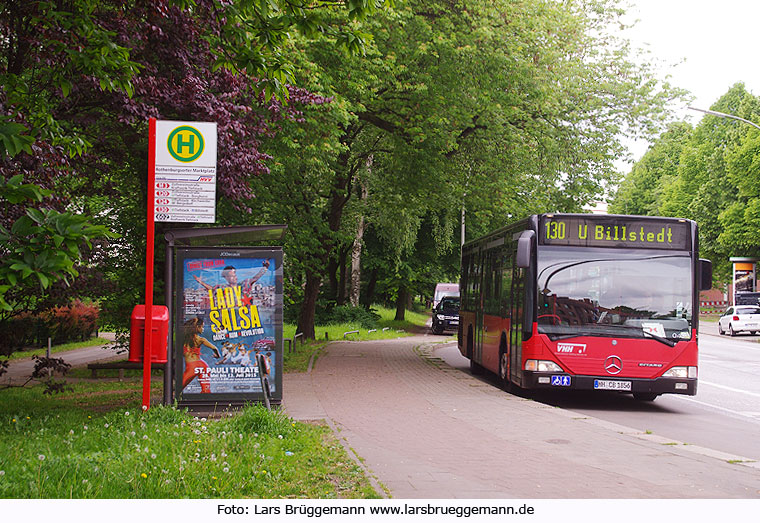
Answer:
(558, 381)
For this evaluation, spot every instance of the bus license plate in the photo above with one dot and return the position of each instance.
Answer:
(612, 385)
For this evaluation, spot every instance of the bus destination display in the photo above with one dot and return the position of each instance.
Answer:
(615, 232)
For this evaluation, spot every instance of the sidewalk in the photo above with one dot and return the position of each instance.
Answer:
(20, 370)
(426, 430)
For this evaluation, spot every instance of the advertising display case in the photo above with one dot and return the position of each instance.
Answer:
(228, 312)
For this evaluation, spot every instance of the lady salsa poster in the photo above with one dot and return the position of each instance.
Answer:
(229, 310)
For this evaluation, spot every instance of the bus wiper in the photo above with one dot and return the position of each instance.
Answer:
(666, 341)
(556, 337)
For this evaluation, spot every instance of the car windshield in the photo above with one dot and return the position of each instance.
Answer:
(449, 303)
(748, 310)
(605, 292)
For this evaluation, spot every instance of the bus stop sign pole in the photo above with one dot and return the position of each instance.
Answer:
(147, 352)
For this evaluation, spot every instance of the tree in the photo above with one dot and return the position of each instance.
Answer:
(79, 82)
(641, 192)
(704, 174)
(518, 105)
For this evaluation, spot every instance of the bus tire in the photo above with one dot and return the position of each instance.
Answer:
(644, 396)
(504, 382)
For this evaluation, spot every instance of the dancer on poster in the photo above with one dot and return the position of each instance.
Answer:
(194, 364)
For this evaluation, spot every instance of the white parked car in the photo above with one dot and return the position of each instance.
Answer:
(741, 318)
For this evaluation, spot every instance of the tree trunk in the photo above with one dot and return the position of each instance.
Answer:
(369, 296)
(340, 194)
(356, 248)
(356, 263)
(332, 275)
(341, 298)
(401, 300)
(309, 305)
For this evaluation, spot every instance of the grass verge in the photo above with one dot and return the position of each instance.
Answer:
(92, 342)
(298, 361)
(94, 442)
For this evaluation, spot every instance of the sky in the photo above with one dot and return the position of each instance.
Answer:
(714, 44)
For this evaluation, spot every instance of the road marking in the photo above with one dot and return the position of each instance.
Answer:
(740, 391)
(734, 413)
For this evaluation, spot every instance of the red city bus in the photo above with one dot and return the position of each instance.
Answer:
(586, 302)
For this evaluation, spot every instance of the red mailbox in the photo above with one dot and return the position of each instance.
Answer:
(160, 328)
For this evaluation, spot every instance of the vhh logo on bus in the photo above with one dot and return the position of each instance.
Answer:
(185, 144)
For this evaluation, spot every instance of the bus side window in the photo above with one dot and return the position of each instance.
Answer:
(463, 282)
(472, 281)
(518, 299)
(493, 282)
(506, 283)
(487, 282)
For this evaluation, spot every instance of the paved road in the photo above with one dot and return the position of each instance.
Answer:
(427, 430)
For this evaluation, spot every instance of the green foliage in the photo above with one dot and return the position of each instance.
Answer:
(43, 245)
(508, 108)
(504, 108)
(642, 191)
(13, 139)
(256, 33)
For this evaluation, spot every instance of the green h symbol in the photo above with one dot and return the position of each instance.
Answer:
(181, 144)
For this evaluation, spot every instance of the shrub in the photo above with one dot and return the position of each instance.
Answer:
(348, 314)
(73, 322)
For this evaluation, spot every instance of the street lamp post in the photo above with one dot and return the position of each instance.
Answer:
(753, 260)
(724, 115)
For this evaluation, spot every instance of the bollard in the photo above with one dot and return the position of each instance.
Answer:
(264, 380)
(349, 332)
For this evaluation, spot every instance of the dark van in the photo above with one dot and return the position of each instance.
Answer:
(446, 315)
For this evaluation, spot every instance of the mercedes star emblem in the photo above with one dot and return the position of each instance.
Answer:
(613, 365)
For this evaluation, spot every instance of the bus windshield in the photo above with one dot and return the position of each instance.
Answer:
(614, 292)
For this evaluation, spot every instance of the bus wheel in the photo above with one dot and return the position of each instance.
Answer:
(504, 381)
(644, 396)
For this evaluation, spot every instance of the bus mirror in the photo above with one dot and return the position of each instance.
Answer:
(524, 249)
(705, 274)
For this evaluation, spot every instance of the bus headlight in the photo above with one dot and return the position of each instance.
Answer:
(681, 372)
(542, 366)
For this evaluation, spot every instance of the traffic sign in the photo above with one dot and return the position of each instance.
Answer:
(185, 182)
